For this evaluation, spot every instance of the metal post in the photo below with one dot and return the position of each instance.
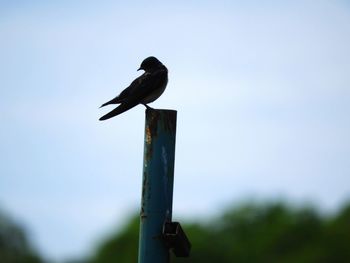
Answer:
(157, 184)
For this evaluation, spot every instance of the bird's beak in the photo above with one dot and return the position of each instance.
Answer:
(139, 69)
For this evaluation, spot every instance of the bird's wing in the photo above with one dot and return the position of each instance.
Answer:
(120, 109)
(134, 86)
(112, 101)
(138, 89)
(126, 92)
(147, 85)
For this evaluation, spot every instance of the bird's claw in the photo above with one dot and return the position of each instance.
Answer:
(148, 107)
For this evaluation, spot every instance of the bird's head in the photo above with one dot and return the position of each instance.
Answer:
(149, 64)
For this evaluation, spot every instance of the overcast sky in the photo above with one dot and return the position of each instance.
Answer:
(262, 92)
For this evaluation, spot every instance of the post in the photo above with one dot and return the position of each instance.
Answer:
(157, 184)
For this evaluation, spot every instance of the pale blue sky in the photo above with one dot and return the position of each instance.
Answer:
(262, 92)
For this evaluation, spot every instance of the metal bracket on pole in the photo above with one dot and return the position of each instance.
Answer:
(176, 239)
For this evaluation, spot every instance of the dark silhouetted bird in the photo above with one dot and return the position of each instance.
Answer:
(143, 90)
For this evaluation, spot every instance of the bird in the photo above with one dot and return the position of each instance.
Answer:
(143, 90)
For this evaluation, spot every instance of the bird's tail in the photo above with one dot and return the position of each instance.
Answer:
(120, 109)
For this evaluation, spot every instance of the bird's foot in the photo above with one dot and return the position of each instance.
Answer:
(148, 107)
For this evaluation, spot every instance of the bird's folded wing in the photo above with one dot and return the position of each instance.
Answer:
(142, 87)
(120, 109)
(150, 83)
(138, 89)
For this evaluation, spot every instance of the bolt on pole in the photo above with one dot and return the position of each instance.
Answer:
(157, 184)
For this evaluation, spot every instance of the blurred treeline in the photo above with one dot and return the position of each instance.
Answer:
(273, 232)
(14, 245)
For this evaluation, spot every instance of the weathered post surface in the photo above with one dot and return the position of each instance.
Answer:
(157, 184)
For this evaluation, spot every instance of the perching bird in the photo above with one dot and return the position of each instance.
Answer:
(143, 90)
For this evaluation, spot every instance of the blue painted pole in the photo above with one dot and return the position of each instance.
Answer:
(157, 184)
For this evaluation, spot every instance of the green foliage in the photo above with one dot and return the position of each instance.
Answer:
(121, 248)
(14, 246)
(248, 233)
(251, 233)
(337, 237)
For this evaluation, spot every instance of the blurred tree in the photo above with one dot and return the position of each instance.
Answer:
(122, 247)
(251, 233)
(14, 246)
(337, 238)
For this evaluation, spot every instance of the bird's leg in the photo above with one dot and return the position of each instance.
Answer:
(148, 107)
